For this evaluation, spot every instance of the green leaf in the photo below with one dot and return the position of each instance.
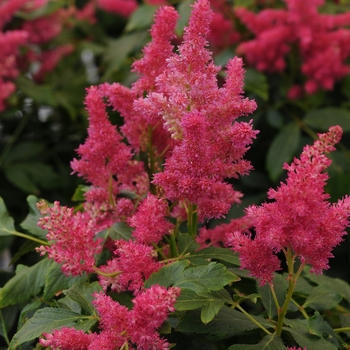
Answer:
(318, 326)
(167, 275)
(27, 282)
(28, 175)
(69, 304)
(269, 342)
(30, 223)
(186, 244)
(332, 284)
(213, 277)
(190, 300)
(42, 94)
(28, 312)
(216, 253)
(118, 50)
(141, 18)
(24, 151)
(82, 293)
(79, 193)
(256, 82)
(45, 321)
(7, 226)
(184, 11)
(120, 230)
(211, 309)
(282, 149)
(322, 298)
(322, 119)
(228, 322)
(56, 281)
(304, 338)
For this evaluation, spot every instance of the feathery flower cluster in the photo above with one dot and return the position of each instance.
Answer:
(139, 128)
(133, 329)
(71, 236)
(300, 218)
(149, 220)
(106, 162)
(133, 264)
(190, 103)
(323, 41)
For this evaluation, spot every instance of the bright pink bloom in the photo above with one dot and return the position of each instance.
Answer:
(66, 339)
(121, 7)
(139, 325)
(71, 238)
(300, 218)
(157, 51)
(200, 116)
(149, 220)
(321, 39)
(106, 161)
(135, 262)
(120, 326)
(149, 312)
(140, 128)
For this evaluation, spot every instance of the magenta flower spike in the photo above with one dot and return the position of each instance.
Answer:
(201, 116)
(300, 217)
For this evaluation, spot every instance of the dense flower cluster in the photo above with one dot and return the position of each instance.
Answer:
(133, 329)
(190, 104)
(300, 218)
(71, 237)
(322, 40)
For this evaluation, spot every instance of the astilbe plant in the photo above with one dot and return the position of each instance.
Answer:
(321, 41)
(130, 269)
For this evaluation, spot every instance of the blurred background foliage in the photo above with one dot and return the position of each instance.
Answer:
(45, 121)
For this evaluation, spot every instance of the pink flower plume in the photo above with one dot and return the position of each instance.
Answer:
(300, 218)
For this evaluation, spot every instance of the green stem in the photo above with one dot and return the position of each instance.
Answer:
(159, 251)
(292, 282)
(23, 235)
(340, 330)
(252, 318)
(300, 308)
(106, 274)
(274, 296)
(173, 246)
(14, 137)
(192, 220)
